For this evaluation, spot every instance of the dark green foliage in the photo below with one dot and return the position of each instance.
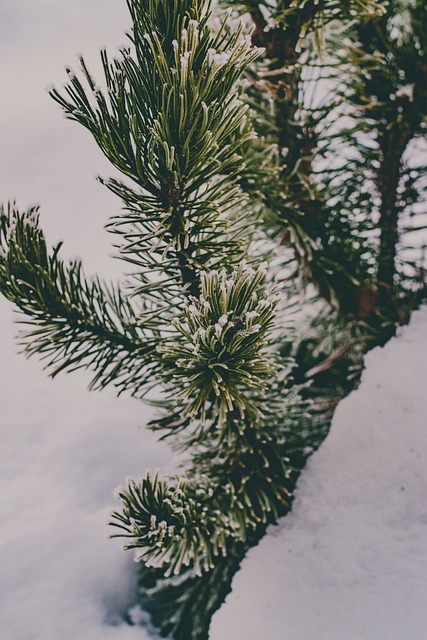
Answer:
(170, 121)
(74, 322)
(340, 164)
(380, 115)
(182, 607)
(221, 357)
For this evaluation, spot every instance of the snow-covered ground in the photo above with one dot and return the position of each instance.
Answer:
(350, 561)
(63, 450)
(351, 555)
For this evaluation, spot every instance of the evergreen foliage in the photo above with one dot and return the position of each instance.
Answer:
(339, 146)
(74, 322)
(264, 174)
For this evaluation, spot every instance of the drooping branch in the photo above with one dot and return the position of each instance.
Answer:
(74, 322)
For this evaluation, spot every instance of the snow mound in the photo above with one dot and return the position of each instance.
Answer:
(63, 451)
(350, 561)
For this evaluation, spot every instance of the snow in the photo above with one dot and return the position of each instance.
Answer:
(350, 561)
(63, 451)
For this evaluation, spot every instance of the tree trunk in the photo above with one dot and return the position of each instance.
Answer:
(392, 143)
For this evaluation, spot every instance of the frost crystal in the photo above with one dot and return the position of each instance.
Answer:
(10, 231)
(223, 320)
(407, 91)
(217, 59)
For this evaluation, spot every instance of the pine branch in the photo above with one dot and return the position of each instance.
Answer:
(75, 322)
(182, 607)
(384, 86)
(238, 480)
(294, 209)
(221, 361)
(181, 146)
(175, 524)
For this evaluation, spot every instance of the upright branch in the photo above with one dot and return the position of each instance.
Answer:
(295, 35)
(171, 121)
(384, 100)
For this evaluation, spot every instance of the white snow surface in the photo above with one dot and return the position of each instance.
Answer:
(63, 451)
(350, 561)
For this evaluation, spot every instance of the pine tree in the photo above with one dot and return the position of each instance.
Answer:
(244, 200)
